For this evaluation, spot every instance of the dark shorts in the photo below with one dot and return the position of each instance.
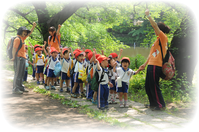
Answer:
(40, 69)
(75, 78)
(64, 76)
(123, 89)
(50, 73)
(114, 85)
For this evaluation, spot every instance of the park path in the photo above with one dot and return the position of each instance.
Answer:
(140, 118)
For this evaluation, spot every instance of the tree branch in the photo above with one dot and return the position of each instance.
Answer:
(167, 3)
(65, 13)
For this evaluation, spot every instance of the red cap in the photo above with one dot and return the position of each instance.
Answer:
(52, 49)
(125, 58)
(113, 55)
(36, 45)
(90, 55)
(38, 49)
(64, 49)
(97, 55)
(75, 51)
(101, 58)
(88, 51)
(79, 53)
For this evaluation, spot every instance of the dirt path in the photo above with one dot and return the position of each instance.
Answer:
(35, 112)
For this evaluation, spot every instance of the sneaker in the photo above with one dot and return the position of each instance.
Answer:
(116, 96)
(53, 87)
(73, 95)
(82, 95)
(25, 90)
(126, 105)
(102, 108)
(43, 82)
(121, 106)
(17, 91)
(94, 102)
(38, 82)
(114, 102)
(68, 90)
(61, 90)
(106, 107)
(47, 87)
(158, 109)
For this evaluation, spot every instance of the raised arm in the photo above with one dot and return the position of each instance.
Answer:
(153, 23)
(43, 47)
(33, 27)
(58, 30)
(120, 54)
(71, 50)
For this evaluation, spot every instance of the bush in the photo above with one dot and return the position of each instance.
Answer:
(137, 61)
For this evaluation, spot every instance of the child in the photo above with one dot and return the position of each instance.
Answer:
(27, 64)
(112, 77)
(103, 90)
(66, 64)
(78, 67)
(39, 62)
(52, 53)
(124, 73)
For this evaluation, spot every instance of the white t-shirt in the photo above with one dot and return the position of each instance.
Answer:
(124, 75)
(105, 79)
(52, 63)
(79, 66)
(112, 74)
(66, 64)
(39, 59)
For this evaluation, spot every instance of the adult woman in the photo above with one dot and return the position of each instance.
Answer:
(154, 69)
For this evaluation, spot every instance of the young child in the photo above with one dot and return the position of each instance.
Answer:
(78, 66)
(66, 64)
(103, 90)
(39, 62)
(52, 53)
(124, 73)
(27, 64)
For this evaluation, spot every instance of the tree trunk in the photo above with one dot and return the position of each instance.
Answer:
(183, 47)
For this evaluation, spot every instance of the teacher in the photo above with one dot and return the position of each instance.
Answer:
(154, 69)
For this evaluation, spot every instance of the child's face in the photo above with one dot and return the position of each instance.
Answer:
(112, 62)
(54, 54)
(66, 55)
(104, 62)
(80, 58)
(125, 65)
(39, 52)
(116, 59)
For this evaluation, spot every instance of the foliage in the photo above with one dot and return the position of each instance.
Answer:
(136, 61)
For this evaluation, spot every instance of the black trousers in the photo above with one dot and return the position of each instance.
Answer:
(152, 86)
(19, 68)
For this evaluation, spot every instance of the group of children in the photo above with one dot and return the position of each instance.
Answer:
(113, 75)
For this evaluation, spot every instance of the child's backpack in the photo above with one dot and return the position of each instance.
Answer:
(168, 65)
(72, 70)
(57, 70)
(10, 47)
(95, 81)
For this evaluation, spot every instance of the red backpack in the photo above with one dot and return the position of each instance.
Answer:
(168, 64)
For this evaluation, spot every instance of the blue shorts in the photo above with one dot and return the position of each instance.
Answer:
(75, 78)
(64, 76)
(114, 85)
(50, 73)
(124, 88)
(40, 69)
(45, 72)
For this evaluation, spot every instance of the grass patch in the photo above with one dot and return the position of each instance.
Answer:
(96, 114)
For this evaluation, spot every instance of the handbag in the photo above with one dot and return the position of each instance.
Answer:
(119, 80)
(168, 65)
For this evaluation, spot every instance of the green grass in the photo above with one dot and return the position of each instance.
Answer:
(96, 114)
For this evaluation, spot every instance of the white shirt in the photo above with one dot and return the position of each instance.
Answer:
(112, 74)
(105, 79)
(66, 64)
(79, 66)
(124, 75)
(40, 59)
(52, 63)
